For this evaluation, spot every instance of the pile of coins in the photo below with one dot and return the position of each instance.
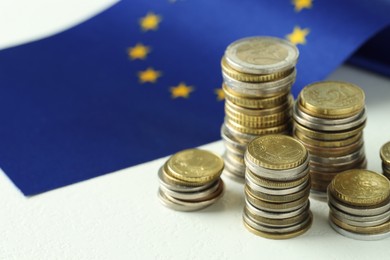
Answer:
(190, 180)
(385, 156)
(258, 73)
(359, 202)
(277, 187)
(329, 118)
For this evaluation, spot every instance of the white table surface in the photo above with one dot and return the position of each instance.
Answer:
(118, 216)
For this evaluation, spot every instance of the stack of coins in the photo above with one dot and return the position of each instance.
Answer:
(277, 187)
(385, 156)
(190, 180)
(258, 73)
(359, 202)
(329, 118)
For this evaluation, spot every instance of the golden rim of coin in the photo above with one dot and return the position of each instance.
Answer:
(261, 55)
(272, 122)
(195, 165)
(281, 235)
(360, 187)
(328, 136)
(378, 229)
(253, 102)
(327, 144)
(385, 153)
(259, 112)
(258, 131)
(249, 77)
(334, 152)
(279, 152)
(332, 98)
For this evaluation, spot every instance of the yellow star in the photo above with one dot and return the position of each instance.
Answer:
(298, 36)
(220, 94)
(300, 4)
(149, 75)
(181, 90)
(139, 51)
(150, 22)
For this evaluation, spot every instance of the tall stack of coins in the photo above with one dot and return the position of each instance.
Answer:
(277, 187)
(258, 73)
(190, 180)
(359, 202)
(385, 156)
(329, 118)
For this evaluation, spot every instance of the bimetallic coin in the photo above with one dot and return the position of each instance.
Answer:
(359, 211)
(274, 185)
(360, 187)
(276, 152)
(379, 229)
(286, 222)
(261, 55)
(357, 236)
(252, 102)
(250, 77)
(276, 215)
(385, 153)
(275, 230)
(194, 165)
(276, 235)
(332, 98)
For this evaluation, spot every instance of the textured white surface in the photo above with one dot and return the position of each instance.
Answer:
(118, 216)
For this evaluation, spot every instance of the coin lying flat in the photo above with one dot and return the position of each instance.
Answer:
(194, 165)
(332, 99)
(360, 187)
(261, 55)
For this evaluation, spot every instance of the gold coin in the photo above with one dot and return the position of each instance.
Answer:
(336, 151)
(238, 110)
(264, 123)
(276, 152)
(329, 136)
(332, 98)
(258, 131)
(281, 235)
(174, 181)
(327, 144)
(382, 228)
(360, 187)
(255, 102)
(248, 77)
(196, 166)
(270, 184)
(385, 153)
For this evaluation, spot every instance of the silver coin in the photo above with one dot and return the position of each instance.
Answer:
(353, 161)
(360, 221)
(233, 152)
(362, 211)
(245, 138)
(191, 196)
(280, 215)
(318, 195)
(328, 125)
(250, 182)
(264, 89)
(261, 55)
(181, 205)
(338, 160)
(234, 176)
(278, 230)
(339, 168)
(231, 171)
(229, 139)
(179, 188)
(357, 236)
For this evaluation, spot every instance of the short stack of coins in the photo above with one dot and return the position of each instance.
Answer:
(277, 187)
(190, 180)
(359, 202)
(385, 156)
(329, 118)
(258, 73)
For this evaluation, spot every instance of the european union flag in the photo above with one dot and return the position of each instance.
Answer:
(142, 80)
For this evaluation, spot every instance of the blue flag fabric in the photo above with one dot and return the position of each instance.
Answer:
(142, 80)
